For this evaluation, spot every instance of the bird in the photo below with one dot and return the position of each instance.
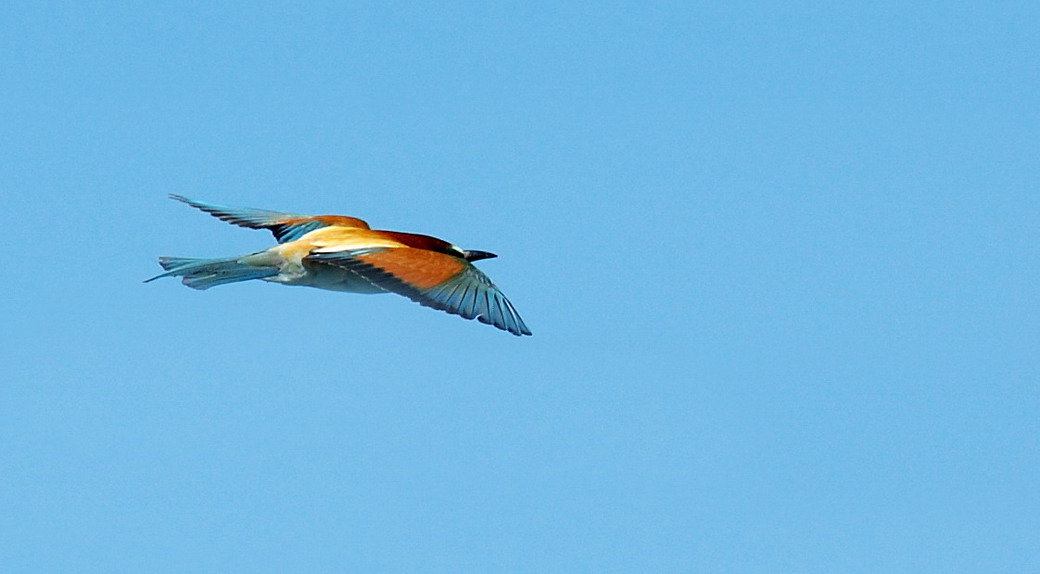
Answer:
(341, 253)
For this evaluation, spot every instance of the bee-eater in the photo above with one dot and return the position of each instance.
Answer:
(342, 253)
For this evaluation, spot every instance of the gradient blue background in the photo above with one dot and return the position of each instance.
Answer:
(781, 261)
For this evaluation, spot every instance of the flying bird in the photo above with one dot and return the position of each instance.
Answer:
(342, 253)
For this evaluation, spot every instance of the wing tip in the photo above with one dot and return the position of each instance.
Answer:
(194, 203)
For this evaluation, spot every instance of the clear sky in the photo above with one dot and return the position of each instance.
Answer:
(781, 263)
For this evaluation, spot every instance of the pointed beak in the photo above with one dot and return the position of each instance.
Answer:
(478, 255)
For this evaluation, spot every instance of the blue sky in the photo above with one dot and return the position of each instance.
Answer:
(780, 260)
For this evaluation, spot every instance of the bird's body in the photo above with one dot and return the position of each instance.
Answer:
(340, 253)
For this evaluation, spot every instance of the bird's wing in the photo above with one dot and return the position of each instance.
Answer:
(285, 226)
(431, 279)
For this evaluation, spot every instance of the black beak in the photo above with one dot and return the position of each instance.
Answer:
(478, 255)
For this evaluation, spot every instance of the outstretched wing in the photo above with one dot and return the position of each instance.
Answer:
(285, 226)
(431, 279)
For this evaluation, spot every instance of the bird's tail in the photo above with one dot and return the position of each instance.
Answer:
(206, 273)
